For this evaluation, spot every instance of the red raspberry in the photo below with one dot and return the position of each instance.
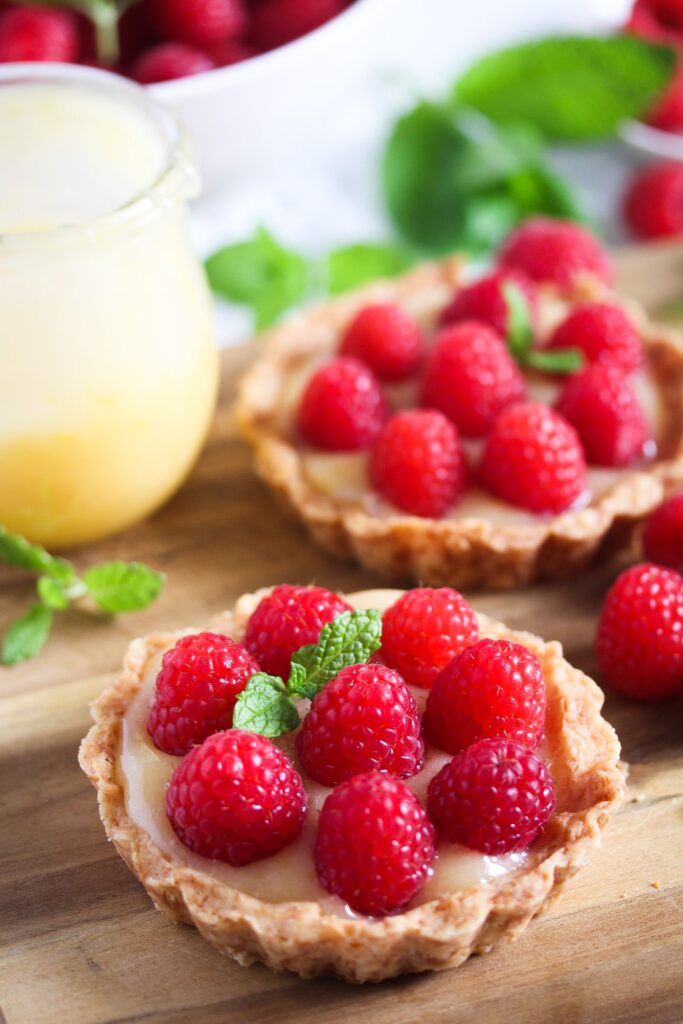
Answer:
(603, 408)
(196, 690)
(555, 250)
(198, 22)
(485, 300)
(276, 22)
(653, 203)
(374, 845)
(386, 339)
(418, 464)
(667, 114)
(167, 61)
(494, 797)
(343, 407)
(286, 619)
(492, 690)
(365, 719)
(663, 535)
(604, 333)
(231, 52)
(640, 633)
(424, 629)
(38, 33)
(236, 798)
(471, 377)
(657, 19)
(534, 459)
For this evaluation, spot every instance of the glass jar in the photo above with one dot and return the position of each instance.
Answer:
(108, 361)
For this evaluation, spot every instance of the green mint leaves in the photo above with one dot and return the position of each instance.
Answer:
(520, 338)
(267, 704)
(112, 586)
(353, 265)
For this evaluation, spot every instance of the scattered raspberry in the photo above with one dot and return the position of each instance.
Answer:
(38, 33)
(640, 633)
(653, 203)
(534, 459)
(236, 798)
(604, 334)
(485, 300)
(663, 535)
(343, 407)
(603, 408)
(494, 797)
(424, 629)
(167, 61)
(555, 250)
(418, 464)
(471, 377)
(492, 690)
(196, 690)
(231, 52)
(386, 339)
(198, 22)
(276, 22)
(286, 619)
(374, 844)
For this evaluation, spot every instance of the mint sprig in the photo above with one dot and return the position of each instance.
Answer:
(520, 338)
(267, 704)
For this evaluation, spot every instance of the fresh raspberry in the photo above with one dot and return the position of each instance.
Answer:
(492, 690)
(236, 798)
(418, 464)
(342, 407)
(374, 845)
(663, 535)
(386, 339)
(555, 250)
(231, 52)
(603, 332)
(38, 33)
(640, 633)
(276, 22)
(667, 113)
(494, 797)
(196, 689)
(167, 61)
(653, 203)
(603, 408)
(364, 719)
(286, 619)
(424, 629)
(484, 300)
(657, 19)
(471, 377)
(198, 22)
(534, 459)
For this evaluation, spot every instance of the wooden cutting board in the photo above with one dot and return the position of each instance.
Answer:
(79, 939)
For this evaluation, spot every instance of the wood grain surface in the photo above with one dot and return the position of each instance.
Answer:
(79, 939)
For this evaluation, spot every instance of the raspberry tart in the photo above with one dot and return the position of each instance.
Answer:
(416, 786)
(466, 431)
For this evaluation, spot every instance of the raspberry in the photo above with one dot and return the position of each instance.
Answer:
(657, 19)
(494, 797)
(230, 52)
(602, 406)
(663, 535)
(485, 301)
(640, 633)
(342, 408)
(386, 339)
(424, 629)
(418, 464)
(365, 719)
(492, 690)
(534, 459)
(374, 845)
(36, 33)
(167, 61)
(555, 250)
(196, 690)
(471, 377)
(653, 203)
(198, 22)
(236, 798)
(286, 619)
(667, 114)
(604, 334)
(276, 22)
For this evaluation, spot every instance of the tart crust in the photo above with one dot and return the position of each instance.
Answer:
(304, 937)
(465, 552)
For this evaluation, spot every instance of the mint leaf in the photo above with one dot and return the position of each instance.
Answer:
(561, 360)
(26, 636)
(123, 586)
(349, 639)
(353, 265)
(16, 551)
(520, 338)
(569, 87)
(52, 594)
(265, 707)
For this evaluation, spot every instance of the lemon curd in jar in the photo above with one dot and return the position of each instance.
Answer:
(108, 363)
